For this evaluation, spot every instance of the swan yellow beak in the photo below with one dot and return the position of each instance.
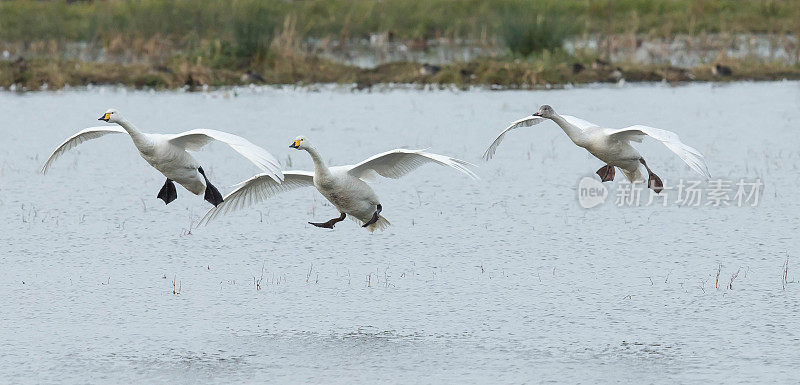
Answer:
(105, 117)
(295, 144)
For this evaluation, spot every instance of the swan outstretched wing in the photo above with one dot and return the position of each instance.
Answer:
(194, 140)
(399, 162)
(690, 155)
(524, 122)
(257, 189)
(530, 121)
(78, 138)
(578, 122)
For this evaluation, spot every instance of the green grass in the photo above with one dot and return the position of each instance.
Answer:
(528, 36)
(252, 21)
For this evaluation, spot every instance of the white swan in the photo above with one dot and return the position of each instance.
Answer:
(343, 186)
(612, 146)
(167, 154)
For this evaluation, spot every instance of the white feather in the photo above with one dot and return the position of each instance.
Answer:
(79, 137)
(530, 121)
(399, 162)
(258, 189)
(194, 140)
(690, 155)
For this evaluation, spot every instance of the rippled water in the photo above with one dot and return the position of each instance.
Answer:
(503, 280)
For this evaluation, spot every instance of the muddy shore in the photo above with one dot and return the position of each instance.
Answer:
(40, 74)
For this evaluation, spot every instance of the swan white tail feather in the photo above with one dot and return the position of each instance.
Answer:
(381, 224)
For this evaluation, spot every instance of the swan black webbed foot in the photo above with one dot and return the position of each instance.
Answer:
(653, 181)
(374, 216)
(212, 195)
(168, 192)
(329, 224)
(606, 173)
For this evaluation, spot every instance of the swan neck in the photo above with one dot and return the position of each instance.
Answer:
(574, 133)
(138, 137)
(319, 164)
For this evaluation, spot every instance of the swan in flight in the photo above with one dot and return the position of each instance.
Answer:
(343, 186)
(612, 146)
(168, 154)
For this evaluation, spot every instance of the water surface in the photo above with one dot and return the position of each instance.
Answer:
(503, 280)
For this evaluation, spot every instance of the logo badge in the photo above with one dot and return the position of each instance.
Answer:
(591, 192)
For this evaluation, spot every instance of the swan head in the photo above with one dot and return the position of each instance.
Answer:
(111, 116)
(300, 143)
(545, 111)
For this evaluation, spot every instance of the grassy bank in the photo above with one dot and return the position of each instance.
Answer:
(216, 42)
(56, 74)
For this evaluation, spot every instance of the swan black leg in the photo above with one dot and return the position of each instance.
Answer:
(329, 224)
(168, 192)
(653, 181)
(212, 194)
(606, 173)
(374, 216)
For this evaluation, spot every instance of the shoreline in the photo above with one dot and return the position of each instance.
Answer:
(228, 91)
(54, 74)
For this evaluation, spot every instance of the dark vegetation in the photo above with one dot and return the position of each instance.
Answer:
(218, 42)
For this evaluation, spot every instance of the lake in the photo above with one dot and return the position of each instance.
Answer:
(503, 280)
